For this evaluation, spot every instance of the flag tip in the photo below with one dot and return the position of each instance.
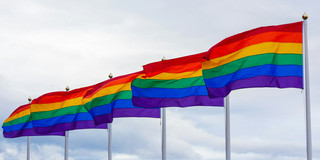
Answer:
(305, 16)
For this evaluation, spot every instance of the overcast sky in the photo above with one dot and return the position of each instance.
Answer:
(47, 45)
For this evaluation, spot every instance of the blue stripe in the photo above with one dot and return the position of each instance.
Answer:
(16, 127)
(117, 104)
(263, 70)
(169, 92)
(62, 119)
(49, 121)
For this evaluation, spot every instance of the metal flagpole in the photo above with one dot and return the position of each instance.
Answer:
(110, 134)
(66, 145)
(28, 148)
(164, 130)
(306, 88)
(66, 138)
(164, 134)
(227, 128)
(109, 141)
(28, 138)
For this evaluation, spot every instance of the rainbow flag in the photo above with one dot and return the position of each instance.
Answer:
(113, 98)
(173, 83)
(19, 124)
(61, 111)
(263, 57)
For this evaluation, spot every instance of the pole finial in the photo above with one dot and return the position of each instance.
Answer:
(67, 88)
(29, 99)
(305, 16)
(163, 58)
(110, 75)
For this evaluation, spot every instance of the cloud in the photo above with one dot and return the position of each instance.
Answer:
(47, 45)
(15, 151)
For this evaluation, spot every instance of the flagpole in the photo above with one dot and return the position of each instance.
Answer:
(66, 139)
(164, 129)
(227, 128)
(66, 145)
(164, 134)
(109, 141)
(307, 88)
(28, 148)
(110, 134)
(28, 138)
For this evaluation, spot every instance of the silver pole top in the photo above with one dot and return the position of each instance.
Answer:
(67, 88)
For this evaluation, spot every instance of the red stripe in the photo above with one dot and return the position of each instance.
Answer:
(60, 96)
(20, 109)
(111, 82)
(245, 36)
(89, 91)
(176, 65)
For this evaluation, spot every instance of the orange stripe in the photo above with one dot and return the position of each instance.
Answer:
(285, 37)
(181, 68)
(108, 91)
(258, 49)
(121, 80)
(18, 115)
(20, 109)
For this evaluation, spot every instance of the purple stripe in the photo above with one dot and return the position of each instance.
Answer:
(70, 126)
(136, 112)
(259, 81)
(103, 119)
(176, 102)
(29, 132)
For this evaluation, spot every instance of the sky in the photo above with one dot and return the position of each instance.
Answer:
(48, 45)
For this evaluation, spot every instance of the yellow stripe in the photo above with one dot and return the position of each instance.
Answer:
(79, 101)
(169, 76)
(18, 115)
(109, 90)
(261, 48)
(57, 105)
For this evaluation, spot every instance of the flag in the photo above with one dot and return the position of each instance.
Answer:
(61, 111)
(19, 124)
(173, 83)
(114, 97)
(263, 57)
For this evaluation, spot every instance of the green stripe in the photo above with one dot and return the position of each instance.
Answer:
(72, 109)
(108, 99)
(58, 112)
(23, 119)
(252, 61)
(157, 83)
